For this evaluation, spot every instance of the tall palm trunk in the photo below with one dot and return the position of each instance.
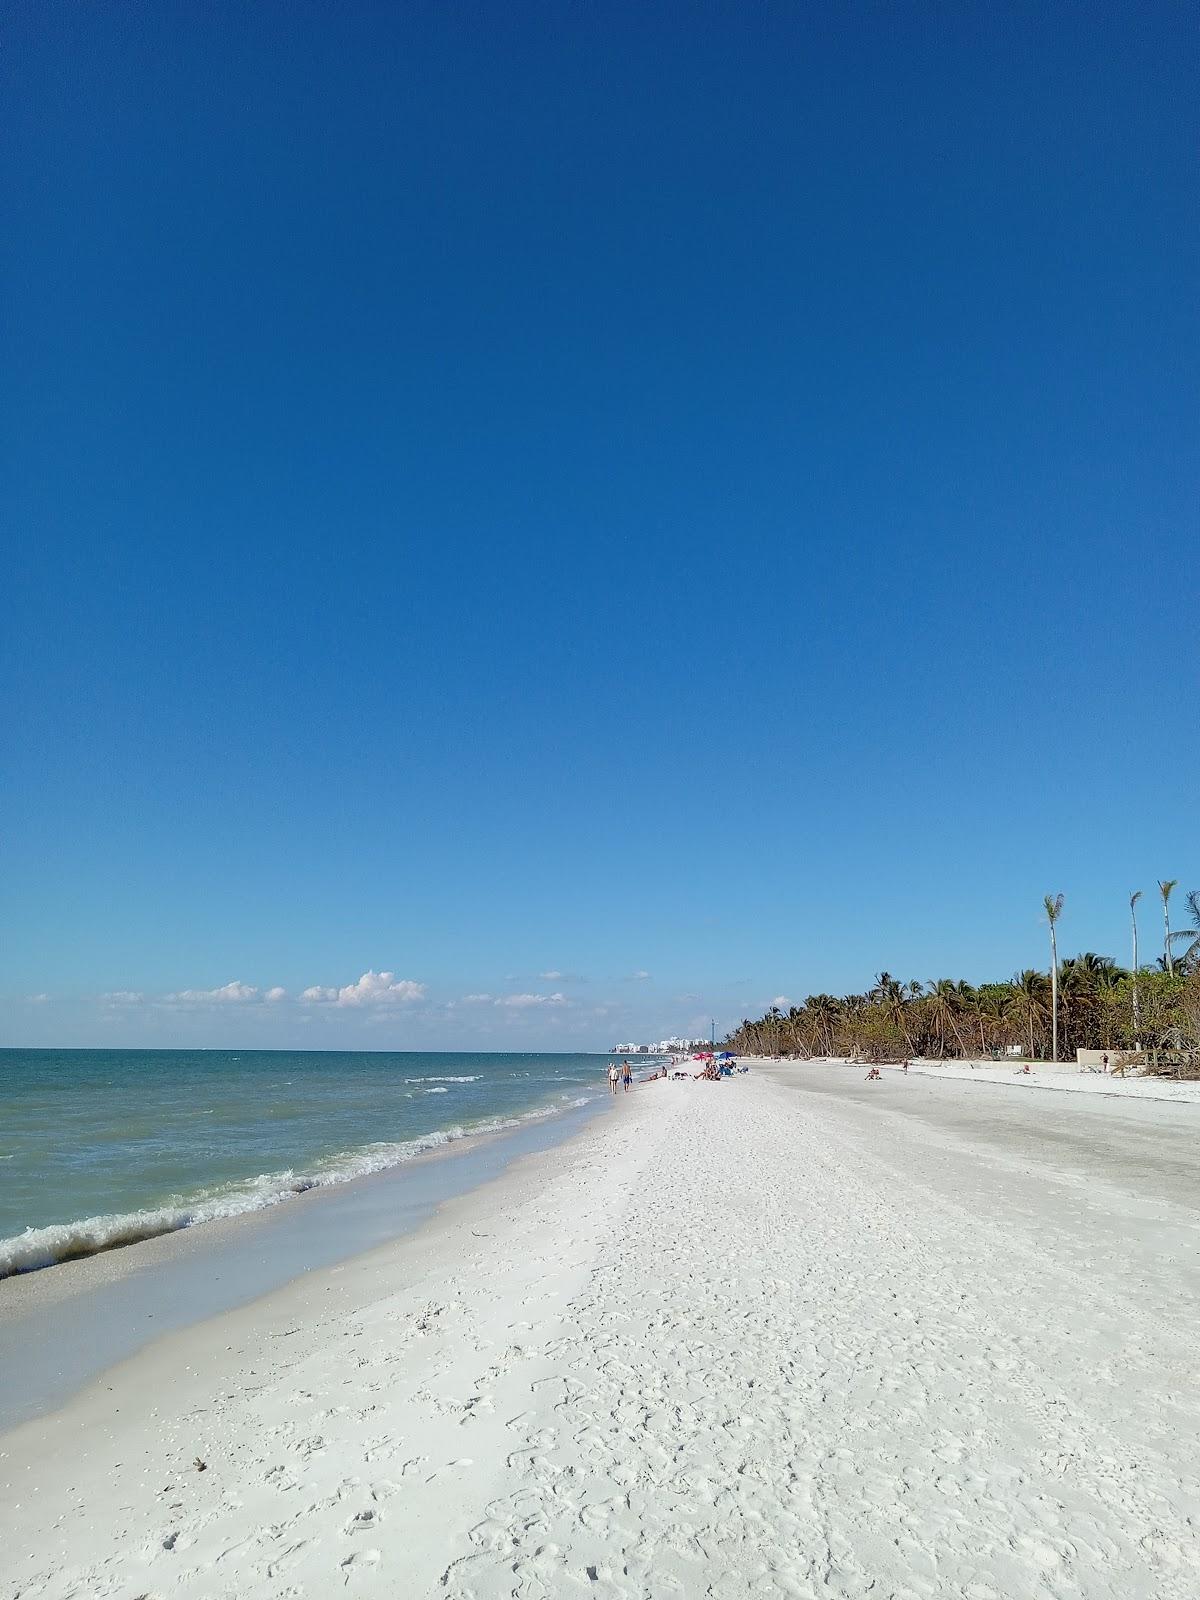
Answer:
(1164, 888)
(1137, 1010)
(1054, 992)
(1054, 907)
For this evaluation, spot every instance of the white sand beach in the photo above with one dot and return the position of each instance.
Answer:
(790, 1334)
(1063, 1076)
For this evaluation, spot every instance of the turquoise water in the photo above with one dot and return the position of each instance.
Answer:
(103, 1147)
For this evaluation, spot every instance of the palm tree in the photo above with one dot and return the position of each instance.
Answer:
(1098, 968)
(1137, 1014)
(824, 1009)
(1080, 979)
(943, 1000)
(1190, 958)
(1054, 905)
(795, 1018)
(968, 1002)
(774, 1023)
(1165, 885)
(994, 1003)
(890, 995)
(1029, 996)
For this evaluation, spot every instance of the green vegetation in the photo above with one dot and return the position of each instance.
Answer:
(1084, 1001)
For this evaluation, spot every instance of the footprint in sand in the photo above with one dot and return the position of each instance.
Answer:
(286, 1559)
(363, 1521)
(359, 1564)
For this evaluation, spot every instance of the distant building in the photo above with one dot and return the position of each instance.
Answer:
(664, 1047)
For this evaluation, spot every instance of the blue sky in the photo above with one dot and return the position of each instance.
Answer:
(627, 512)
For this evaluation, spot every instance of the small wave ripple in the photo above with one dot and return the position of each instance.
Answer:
(433, 1077)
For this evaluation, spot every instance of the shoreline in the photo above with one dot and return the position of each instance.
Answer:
(62, 1326)
(172, 1201)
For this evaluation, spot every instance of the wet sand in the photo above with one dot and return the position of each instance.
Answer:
(64, 1325)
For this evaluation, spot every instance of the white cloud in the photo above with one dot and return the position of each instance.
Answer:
(641, 975)
(275, 995)
(782, 1001)
(234, 993)
(37, 999)
(123, 997)
(521, 1001)
(478, 999)
(372, 989)
(552, 977)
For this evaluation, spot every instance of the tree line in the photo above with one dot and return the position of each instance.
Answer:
(1085, 1000)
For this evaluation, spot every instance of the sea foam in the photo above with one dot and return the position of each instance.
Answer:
(433, 1077)
(67, 1241)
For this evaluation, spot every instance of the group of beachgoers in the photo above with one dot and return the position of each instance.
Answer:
(712, 1070)
(875, 1076)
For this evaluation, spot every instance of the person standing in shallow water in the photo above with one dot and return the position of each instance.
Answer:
(627, 1077)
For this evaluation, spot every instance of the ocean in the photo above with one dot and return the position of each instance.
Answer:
(100, 1148)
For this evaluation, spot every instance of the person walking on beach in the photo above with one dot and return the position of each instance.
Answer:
(627, 1077)
(613, 1075)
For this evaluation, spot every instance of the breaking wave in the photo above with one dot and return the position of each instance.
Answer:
(432, 1077)
(68, 1241)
